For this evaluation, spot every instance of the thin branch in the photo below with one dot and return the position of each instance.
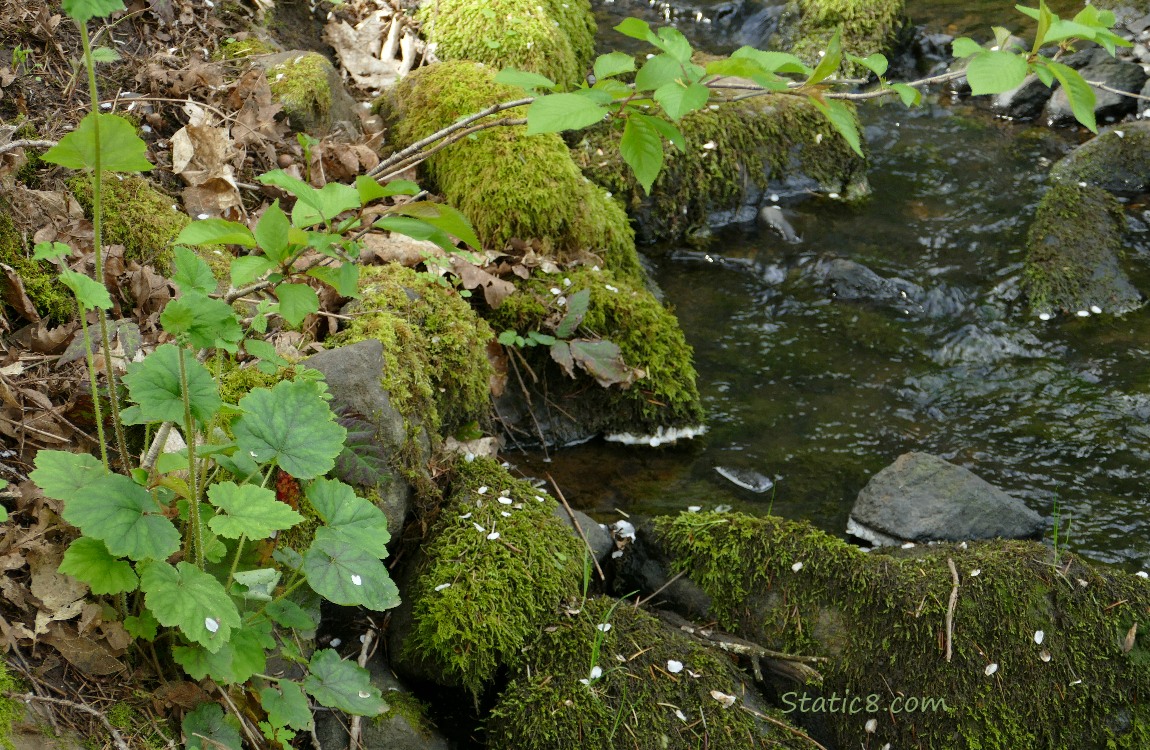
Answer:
(356, 729)
(25, 143)
(950, 608)
(420, 157)
(656, 592)
(578, 527)
(782, 725)
(117, 738)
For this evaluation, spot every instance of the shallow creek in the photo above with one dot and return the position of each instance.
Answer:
(818, 393)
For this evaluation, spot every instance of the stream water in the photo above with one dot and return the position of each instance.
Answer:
(818, 393)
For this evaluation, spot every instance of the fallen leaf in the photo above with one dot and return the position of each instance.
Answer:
(83, 652)
(495, 289)
(358, 50)
(15, 295)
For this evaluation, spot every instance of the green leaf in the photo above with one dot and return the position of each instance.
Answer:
(343, 573)
(524, 80)
(186, 597)
(678, 100)
(603, 361)
(50, 250)
(83, 10)
(297, 301)
(773, 62)
(843, 120)
(251, 511)
(272, 232)
(441, 217)
(875, 63)
(292, 425)
(123, 514)
(290, 615)
(154, 384)
(658, 71)
(635, 29)
(60, 475)
(642, 149)
(144, 626)
(244, 655)
(964, 46)
(336, 683)
(263, 350)
(739, 67)
(370, 190)
(542, 339)
(90, 294)
(829, 62)
(329, 201)
(909, 94)
(667, 130)
(206, 728)
(507, 338)
(357, 520)
(105, 55)
(557, 112)
(88, 560)
(1042, 71)
(215, 232)
(344, 278)
(417, 229)
(672, 41)
(612, 64)
(993, 72)
(259, 585)
(1079, 92)
(248, 268)
(121, 150)
(192, 273)
(286, 705)
(204, 322)
(577, 305)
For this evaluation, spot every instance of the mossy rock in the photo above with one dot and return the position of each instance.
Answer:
(1117, 159)
(737, 153)
(311, 92)
(868, 26)
(648, 337)
(1073, 252)
(41, 279)
(554, 38)
(881, 619)
(488, 582)
(136, 215)
(636, 702)
(234, 48)
(508, 184)
(437, 373)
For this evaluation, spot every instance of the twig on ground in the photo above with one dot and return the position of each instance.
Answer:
(117, 738)
(782, 725)
(356, 729)
(656, 592)
(950, 608)
(25, 143)
(578, 527)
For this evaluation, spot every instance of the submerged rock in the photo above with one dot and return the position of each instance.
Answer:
(921, 498)
(1117, 160)
(850, 280)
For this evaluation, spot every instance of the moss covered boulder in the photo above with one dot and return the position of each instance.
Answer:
(612, 675)
(508, 184)
(568, 409)
(39, 278)
(1041, 651)
(311, 92)
(493, 572)
(136, 215)
(1073, 253)
(868, 26)
(738, 155)
(1117, 159)
(555, 38)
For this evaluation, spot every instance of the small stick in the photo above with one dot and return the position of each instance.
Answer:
(356, 729)
(659, 590)
(950, 608)
(117, 738)
(252, 737)
(578, 528)
(782, 725)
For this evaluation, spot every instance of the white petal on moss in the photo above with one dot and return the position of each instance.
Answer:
(211, 624)
(1044, 655)
(694, 508)
(797, 567)
(871, 726)
(478, 528)
(674, 667)
(505, 501)
(1039, 636)
(679, 714)
(466, 515)
(596, 672)
(482, 490)
(1142, 574)
(726, 700)
(976, 573)
(990, 669)
(538, 498)
(355, 579)
(335, 642)
(604, 626)
(505, 514)
(493, 536)
(443, 586)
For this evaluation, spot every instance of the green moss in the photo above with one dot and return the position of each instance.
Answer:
(301, 86)
(410, 709)
(502, 591)
(10, 711)
(40, 278)
(729, 148)
(648, 337)
(136, 215)
(508, 184)
(555, 38)
(234, 49)
(881, 618)
(1118, 159)
(868, 26)
(1072, 252)
(634, 702)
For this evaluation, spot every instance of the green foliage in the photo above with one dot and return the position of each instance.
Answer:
(117, 148)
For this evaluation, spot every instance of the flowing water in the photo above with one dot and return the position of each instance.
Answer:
(818, 393)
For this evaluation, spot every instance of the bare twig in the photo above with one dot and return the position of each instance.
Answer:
(253, 738)
(117, 738)
(420, 157)
(656, 592)
(356, 729)
(25, 143)
(782, 725)
(950, 608)
(578, 527)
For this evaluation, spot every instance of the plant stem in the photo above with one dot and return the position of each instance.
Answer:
(193, 477)
(92, 383)
(235, 561)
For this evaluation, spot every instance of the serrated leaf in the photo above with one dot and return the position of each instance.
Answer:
(345, 574)
(244, 655)
(88, 560)
(206, 728)
(272, 232)
(773, 62)
(642, 149)
(264, 351)
(344, 278)
(612, 64)
(123, 514)
(84, 10)
(290, 615)
(50, 250)
(60, 474)
(297, 301)
(1079, 92)
(91, 294)
(875, 63)
(329, 202)
(215, 232)
(993, 72)
(678, 100)
(127, 332)
(658, 71)
(964, 46)
(635, 28)
(249, 511)
(363, 460)
(830, 60)
(154, 384)
(441, 217)
(104, 55)
(523, 79)
(192, 272)
(121, 150)
(352, 517)
(558, 112)
(259, 584)
(286, 705)
(248, 268)
(336, 683)
(667, 130)
(671, 40)
(292, 425)
(204, 322)
(843, 120)
(577, 305)
(144, 626)
(909, 95)
(186, 597)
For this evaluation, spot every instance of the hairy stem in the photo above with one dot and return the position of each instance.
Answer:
(194, 524)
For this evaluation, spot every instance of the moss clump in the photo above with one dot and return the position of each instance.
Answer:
(234, 49)
(500, 591)
(635, 701)
(40, 278)
(136, 215)
(302, 86)
(436, 373)
(1118, 159)
(648, 337)
(555, 38)
(409, 708)
(868, 26)
(10, 711)
(731, 151)
(882, 619)
(1073, 250)
(508, 184)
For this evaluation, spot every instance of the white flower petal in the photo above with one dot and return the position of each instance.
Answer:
(596, 672)
(356, 579)
(1044, 655)
(990, 669)
(335, 642)
(976, 572)
(443, 586)
(493, 536)
(674, 667)
(1142, 574)
(797, 567)
(694, 508)
(604, 626)
(871, 726)
(1039, 636)
(211, 624)
(726, 700)
(482, 490)
(478, 528)
(505, 501)
(679, 714)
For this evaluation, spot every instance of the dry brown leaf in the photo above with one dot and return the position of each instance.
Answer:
(495, 289)
(183, 694)
(1128, 642)
(84, 653)
(497, 356)
(359, 49)
(11, 633)
(381, 249)
(116, 636)
(15, 295)
(61, 596)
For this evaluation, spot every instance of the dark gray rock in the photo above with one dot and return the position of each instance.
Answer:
(922, 498)
(597, 535)
(644, 566)
(1023, 102)
(1108, 107)
(353, 377)
(1117, 160)
(773, 218)
(849, 280)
